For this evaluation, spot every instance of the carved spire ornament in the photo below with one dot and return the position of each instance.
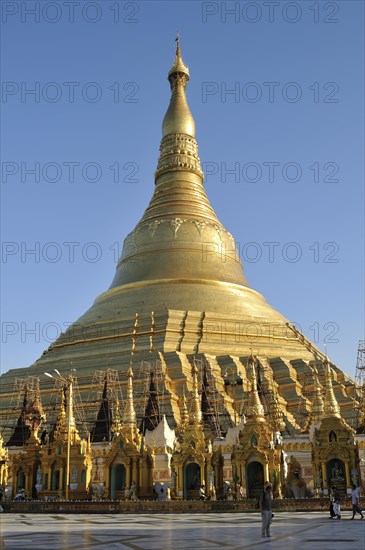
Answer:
(116, 427)
(70, 415)
(255, 409)
(331, 407)
(35, 415)
(318, 404)
(129, 416)
(65, 425)
(195, 410)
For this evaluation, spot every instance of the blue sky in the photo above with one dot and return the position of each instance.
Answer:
(291, 130)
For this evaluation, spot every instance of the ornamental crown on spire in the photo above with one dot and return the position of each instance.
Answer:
(178, 65)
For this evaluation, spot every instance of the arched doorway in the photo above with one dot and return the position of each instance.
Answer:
(117, 481)
(336, 474)
(255, 479)
(34, 480)
(55, 480)
(191, 481)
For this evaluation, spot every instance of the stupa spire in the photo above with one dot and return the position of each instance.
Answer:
(184, 410)
(206, 405)
(331, 407)
(35, 415)
(116, 425)
(70, 415)
(178, 119)
(195, 413)
(255, 409)
(66, 412)
(129, 425)
(317, 405)
(129, 416)
(179, 220)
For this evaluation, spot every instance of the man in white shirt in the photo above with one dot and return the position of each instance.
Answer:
(356, 502)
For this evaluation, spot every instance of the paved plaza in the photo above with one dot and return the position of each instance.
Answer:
(179, 531)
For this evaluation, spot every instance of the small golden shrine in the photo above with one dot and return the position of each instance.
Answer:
(335, 454)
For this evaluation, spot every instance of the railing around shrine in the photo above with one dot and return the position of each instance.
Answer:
(172, 506)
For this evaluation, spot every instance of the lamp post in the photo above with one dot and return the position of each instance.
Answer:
(69, 383)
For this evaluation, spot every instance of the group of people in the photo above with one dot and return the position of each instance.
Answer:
(335, 503)
(265, 505)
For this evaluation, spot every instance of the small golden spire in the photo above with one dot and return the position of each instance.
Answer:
(255, 409)
(70, 403)
(331, 407)
(184, 410)
(63, 401)
(129, 416)
(318, 404)
(116, 425)
(65, 421)
(196, 413)
(35, 414)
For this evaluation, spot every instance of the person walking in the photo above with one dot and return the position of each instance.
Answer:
(266, 510)
(336, 502)
(332, 500)
(355, 498)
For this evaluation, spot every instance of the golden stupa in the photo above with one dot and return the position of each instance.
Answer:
(180, 297)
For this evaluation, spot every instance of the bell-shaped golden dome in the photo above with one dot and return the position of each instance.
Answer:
(179, 235)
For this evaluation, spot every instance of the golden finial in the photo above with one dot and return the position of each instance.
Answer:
(178, 118)
(178, 65)
(331, 407)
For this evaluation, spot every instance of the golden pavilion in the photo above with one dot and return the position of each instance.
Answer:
(180, 375)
